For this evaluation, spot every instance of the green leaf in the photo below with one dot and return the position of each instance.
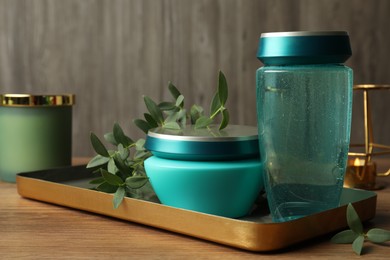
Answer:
(378, 235)
(106, 187)
(195, 112)
(150, 120)
(142, 124)
(357, 244)
(222, 89)
(182, 117)
(166, 106)
(154, 110)
(109, 137)
(121, 165)
(120, 137)
(203, 122)
(344, 237)
(111, 167)
(172, 117)
(180, 101)
(139, 145)
(98, 146)
(118, 197)
(215, 104)
(225, 119)
(136, 182)
(172, 125)
(110, 178)
(140, 154)
(353, 220)
(123, 152)
(98, 160)
(99, 180)
(174, 91)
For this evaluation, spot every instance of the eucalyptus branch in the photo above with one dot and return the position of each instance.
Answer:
(122, 170)
(356, 236)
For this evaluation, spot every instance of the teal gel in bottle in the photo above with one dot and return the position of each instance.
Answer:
(304, 106)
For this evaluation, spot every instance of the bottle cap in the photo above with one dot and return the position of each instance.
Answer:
(304, 47)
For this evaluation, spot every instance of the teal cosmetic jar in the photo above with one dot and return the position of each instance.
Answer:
(35, 133)
(208, 170)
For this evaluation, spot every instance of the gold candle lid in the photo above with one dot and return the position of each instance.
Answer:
(28, 100)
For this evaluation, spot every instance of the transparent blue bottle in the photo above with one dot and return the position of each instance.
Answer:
(304, 107)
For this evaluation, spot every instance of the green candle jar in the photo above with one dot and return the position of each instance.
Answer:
(35, 133)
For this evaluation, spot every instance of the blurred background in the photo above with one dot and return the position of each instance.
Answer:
(111, 52)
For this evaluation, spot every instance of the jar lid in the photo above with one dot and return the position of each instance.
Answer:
(304, 47)
(28, 100)
(233, 142)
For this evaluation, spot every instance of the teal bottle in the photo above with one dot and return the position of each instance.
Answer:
(304, 108)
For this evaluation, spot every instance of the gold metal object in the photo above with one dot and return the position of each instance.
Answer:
(256, 232)
(361, 175)
(28, 100)
(369, 145)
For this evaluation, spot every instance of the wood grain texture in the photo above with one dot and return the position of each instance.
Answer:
(110, 53)
(35, 230)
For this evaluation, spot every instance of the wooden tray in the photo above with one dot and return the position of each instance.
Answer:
(256, 232)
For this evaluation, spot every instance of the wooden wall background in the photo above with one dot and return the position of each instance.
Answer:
(110, 53)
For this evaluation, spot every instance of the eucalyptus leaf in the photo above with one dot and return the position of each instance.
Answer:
(98, 146)
(143, 125)
(120, 137)
(106, 187)
(225, 119)
(357, 244)
(378, 235)
(203, 122)
(121, 164)
(141, 154)
(110, 178)
(180, 101)
(172, 125)
(98, 160)
(99, 180)
(344, 237)
(215, 104)
(139, 145)
(136, 182)
(154, 110)
(195, 112)
(150, 120)
(182, 117)
(109, 137)
(123, 152)
(166, 106)
(353, 220)
(172, 117)
(222, 88)
(111, 167)
(118, 196)
(174, 91)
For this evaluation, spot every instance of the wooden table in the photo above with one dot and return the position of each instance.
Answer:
(37, 230)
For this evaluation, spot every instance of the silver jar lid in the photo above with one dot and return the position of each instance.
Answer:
(232, 143)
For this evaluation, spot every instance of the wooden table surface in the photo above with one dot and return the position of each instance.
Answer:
(37, 230)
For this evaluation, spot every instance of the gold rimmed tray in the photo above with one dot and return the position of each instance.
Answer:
(70, 187)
